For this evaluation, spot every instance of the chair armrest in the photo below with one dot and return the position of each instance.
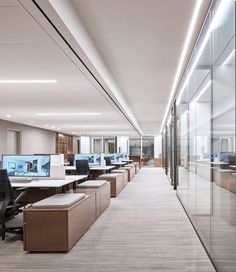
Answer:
(21, 195)
(21, 189)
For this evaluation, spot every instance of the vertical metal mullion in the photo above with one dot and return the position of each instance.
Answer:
(175, 147)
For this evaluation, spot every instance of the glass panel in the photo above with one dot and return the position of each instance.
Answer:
(223, 222)
(183, 162)
(109, 145)
(97, 145)
(135, 146)
(206, 136)
(148, 151)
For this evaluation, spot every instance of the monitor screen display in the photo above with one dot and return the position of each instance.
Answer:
(114, 156)
(93, 159)
(117, 156)
(125, 156)
(27, 165)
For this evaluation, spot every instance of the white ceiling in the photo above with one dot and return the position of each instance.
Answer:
(139, 42)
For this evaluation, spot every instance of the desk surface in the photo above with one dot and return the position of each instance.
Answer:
(218, 163)
(68, 167)
(118, 163)
(96, 168)
(99, 167)
(46, 183)
(75, 177)
(127, 160)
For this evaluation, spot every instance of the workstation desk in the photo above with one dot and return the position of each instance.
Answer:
(40, 189)
(99, 170)
(102, 168)
(93, 168)
(119, 163)
(48, 183)
(128, 161)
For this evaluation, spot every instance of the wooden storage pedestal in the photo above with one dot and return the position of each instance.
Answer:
(102, 194)
(57, 229)
(124, 174)
(131, 171)
(136, 165)
(116, 182)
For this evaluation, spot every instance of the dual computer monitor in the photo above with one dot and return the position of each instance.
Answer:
(93, 159)
(117, 156)
(26, 165)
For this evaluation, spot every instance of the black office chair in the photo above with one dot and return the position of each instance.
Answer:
(9, 207)
(71, 159)
(82, 168)
(108, 161)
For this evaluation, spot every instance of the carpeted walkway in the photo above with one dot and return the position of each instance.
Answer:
(144, 229)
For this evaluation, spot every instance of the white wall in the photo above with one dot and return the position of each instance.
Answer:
(123, 144)
(33, 140)
(85, 144)
(157, 146)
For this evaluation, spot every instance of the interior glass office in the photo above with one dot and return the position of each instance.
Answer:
(135, 146)
(148, 151)
(206, 136)
(144, 147)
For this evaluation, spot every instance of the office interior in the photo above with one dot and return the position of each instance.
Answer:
(117, 135)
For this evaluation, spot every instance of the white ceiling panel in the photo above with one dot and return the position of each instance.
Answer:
(27, 52)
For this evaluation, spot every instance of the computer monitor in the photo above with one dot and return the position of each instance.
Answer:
(93, 159)
(125, 156)
(26, 165)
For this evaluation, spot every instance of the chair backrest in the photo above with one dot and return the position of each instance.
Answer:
(108, 161)
(6, 193)
(82, 167)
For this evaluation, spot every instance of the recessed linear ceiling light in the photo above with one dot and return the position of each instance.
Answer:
(222, 8)
(97, 126)
(68, 114)
(214, 24)
(182, 58)
(229, 58)
(26, 81)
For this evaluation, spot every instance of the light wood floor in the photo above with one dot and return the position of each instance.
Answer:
(144, 229)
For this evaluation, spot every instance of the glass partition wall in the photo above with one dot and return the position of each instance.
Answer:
(206, 136)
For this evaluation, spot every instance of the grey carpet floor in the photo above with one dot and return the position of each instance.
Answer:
(144, 229)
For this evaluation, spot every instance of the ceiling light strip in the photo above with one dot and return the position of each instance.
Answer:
(219, 13)
(26, 81)
(182, 58)
(69, 114)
